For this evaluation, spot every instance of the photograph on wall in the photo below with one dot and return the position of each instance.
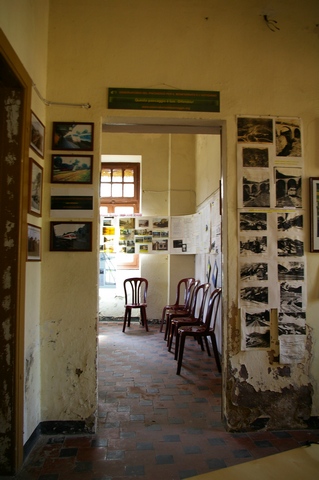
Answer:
(290, 222)
(253, 271)
(72, 136)
(255, 157)
(288, 137)
(253, 245)
(37, 135)
(291, 298)
(70, 236)
(255, 328)
(290, 247)
(252, 221)
(288, 187)
(254, 296)
(255, 130)
(291, 270)
(71, 168)
(292, 323)
(35, 188)
(34, 243)
(255, 188)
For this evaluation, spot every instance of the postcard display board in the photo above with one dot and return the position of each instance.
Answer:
(189, 234)
(272, 265)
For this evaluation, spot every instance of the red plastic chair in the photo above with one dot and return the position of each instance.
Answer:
(182, 297)
(135, 290)
(195, 317)
(201, 332)
(181, 310)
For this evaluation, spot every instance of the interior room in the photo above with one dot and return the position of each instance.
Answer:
(217, 104)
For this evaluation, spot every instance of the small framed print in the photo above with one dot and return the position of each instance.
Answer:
(34, 243)
(72, 136)
(35, 188)
(71, 236)
(314, 214)
(37, 135)
(71, 169)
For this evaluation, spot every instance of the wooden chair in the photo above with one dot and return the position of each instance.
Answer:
(195, 316)
(182, 295)
(135, 290)
(201, 332)
(181, 310)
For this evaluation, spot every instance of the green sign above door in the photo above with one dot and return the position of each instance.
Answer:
(155, 99)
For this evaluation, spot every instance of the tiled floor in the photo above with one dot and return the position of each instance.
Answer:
(152, 423)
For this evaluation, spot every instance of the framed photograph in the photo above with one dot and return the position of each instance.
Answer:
(314, 213)
(72, 136)
(70, 236)
(34, 243)
(71, 168)
(35, 189)
(37, 135)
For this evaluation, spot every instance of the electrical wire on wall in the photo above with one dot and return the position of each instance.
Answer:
(62, 104)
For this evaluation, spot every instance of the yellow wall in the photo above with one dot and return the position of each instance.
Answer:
(202, 45)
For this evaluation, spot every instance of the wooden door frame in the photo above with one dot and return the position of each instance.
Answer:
(20, 76)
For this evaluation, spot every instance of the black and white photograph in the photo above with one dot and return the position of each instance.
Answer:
(257, 271)
(291, 270)
(256, 245)
(255, 130)
(258, 339)
(288, 137)
(255, 157)
(291, 300)
(256, 188)
(257, 318)
(292, 323)
(289, 222)
(253, 221)
(288, 187)
(254, 295)
(290, 247)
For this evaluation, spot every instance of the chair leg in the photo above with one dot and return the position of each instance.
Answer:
(124, 323)
(144, 318)
(167, 327)
(207, 346)
(163, 318)
(180, 352)
(171, 335)
(216, 353)
(176, 345)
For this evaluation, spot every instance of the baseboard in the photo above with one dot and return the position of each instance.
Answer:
(55, 428)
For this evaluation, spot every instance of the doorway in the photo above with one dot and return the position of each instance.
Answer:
(138, 133)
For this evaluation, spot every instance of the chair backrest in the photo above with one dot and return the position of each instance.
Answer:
(199, 300)
(191, 295)
(135, 290)
(183, 290)
(212, 309)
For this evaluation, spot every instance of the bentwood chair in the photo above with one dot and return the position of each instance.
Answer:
(181, 310)
(195, 317)
(182, 296)
(135, 290)
(201, 332)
